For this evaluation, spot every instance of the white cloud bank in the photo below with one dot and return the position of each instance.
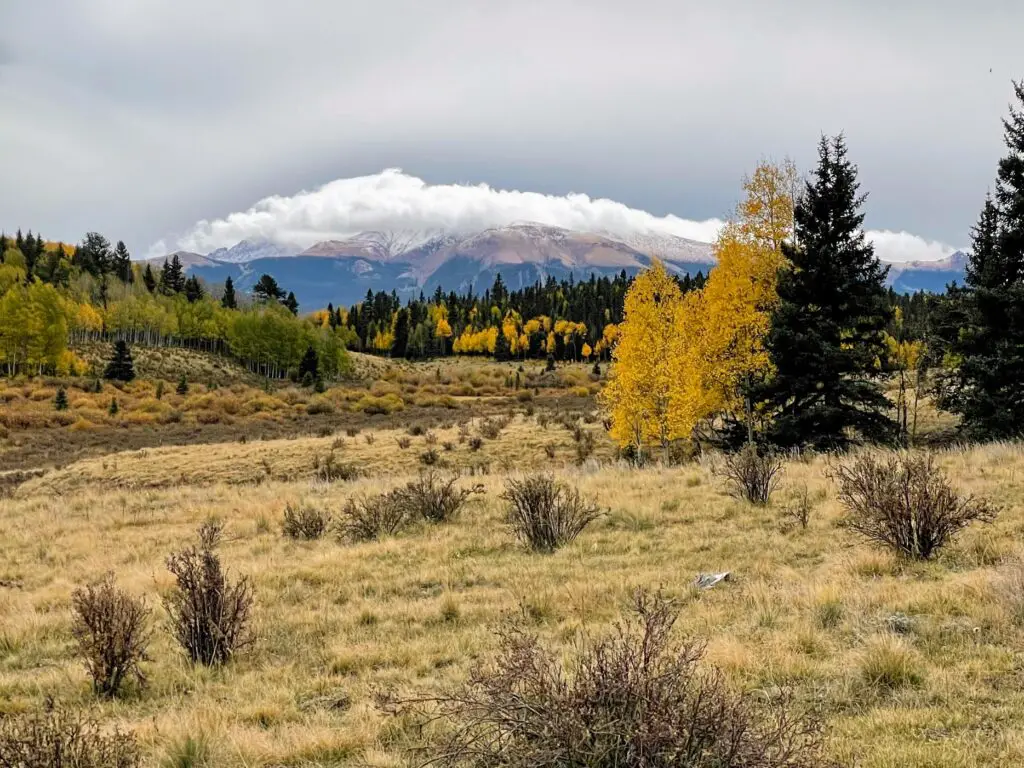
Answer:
(396, 201)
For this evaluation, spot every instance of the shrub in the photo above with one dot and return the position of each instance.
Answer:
(372, 404)
(433, 498)
(403, 442)
(415, 430)
(752, 475)
(475, 443)
(584, 447)
(182, 388)
(320, 406)
(491, 428)
(110, 629)
(430, 457)
(636, 698)
(61, 739)
(369, 438)
(368, 518)
(545, 513)
(906, 503)
(209, 615)
(798, 513)
(330, 469)
(305, 522)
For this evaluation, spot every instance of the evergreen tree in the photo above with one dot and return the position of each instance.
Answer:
(193, 290)
(228, 300)
(122, 263)
(309, 365)
(176, 275)
(826, 333)
(400, 345)
(291, 303)
(182, 388)
(267, 289)
(502, 349)
(982, 325)
(159, 394)
(93, 255)
(120, 367)
(148, 279)
(60, 401)
(114, 407)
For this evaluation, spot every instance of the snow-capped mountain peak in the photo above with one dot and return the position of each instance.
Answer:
(250, 250)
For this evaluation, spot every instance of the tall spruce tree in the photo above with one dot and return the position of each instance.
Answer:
(148, 279)
(502, 349)
(826, 334)
(400, 343)
(228, 300)
(291, 303)
(120, 367)
(122, 263)
(193, 289)
(986, 345)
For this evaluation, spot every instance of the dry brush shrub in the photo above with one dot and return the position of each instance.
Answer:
(61, 739)
(433, 498)
(752, 475)
(637, 698)
(305, 522)
(905, 502)
(209, 614)
(110, 628)
(330, 469)
(368, 518)
(545, 513)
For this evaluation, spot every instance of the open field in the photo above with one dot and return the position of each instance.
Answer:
(911, 664)
(34, 436)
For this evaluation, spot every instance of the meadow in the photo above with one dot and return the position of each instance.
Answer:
(907, 663)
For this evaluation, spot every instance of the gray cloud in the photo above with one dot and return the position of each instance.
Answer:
(142, 117)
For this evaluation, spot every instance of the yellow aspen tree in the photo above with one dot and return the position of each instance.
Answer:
(720, 335)
(637, 397)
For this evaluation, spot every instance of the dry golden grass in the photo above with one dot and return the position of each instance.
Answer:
(912, 664)
(520, 445)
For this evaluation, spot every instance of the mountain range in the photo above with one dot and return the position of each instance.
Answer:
(410, 261)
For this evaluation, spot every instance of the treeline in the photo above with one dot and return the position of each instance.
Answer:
(789, 342)
(564, 320)
(52, 295)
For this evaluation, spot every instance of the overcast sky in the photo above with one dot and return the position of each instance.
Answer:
(140, 118)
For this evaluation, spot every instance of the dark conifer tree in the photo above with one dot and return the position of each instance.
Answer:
(193, 290)
(982, 326)
(122, 263)
(309, 366)
(182, 388)
(267, 289)
(60, 400)
(400, 344)
(176, 275)
(826, 334)
(148, 279)
(291, 303)
(120, 367)
(502, 349)
(228, 300)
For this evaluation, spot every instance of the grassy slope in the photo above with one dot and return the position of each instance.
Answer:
(807, 609)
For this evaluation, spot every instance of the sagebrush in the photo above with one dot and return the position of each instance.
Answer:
(210, 614)
(637, 698)
(111, 630)
(905, 502)
(546, 513)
